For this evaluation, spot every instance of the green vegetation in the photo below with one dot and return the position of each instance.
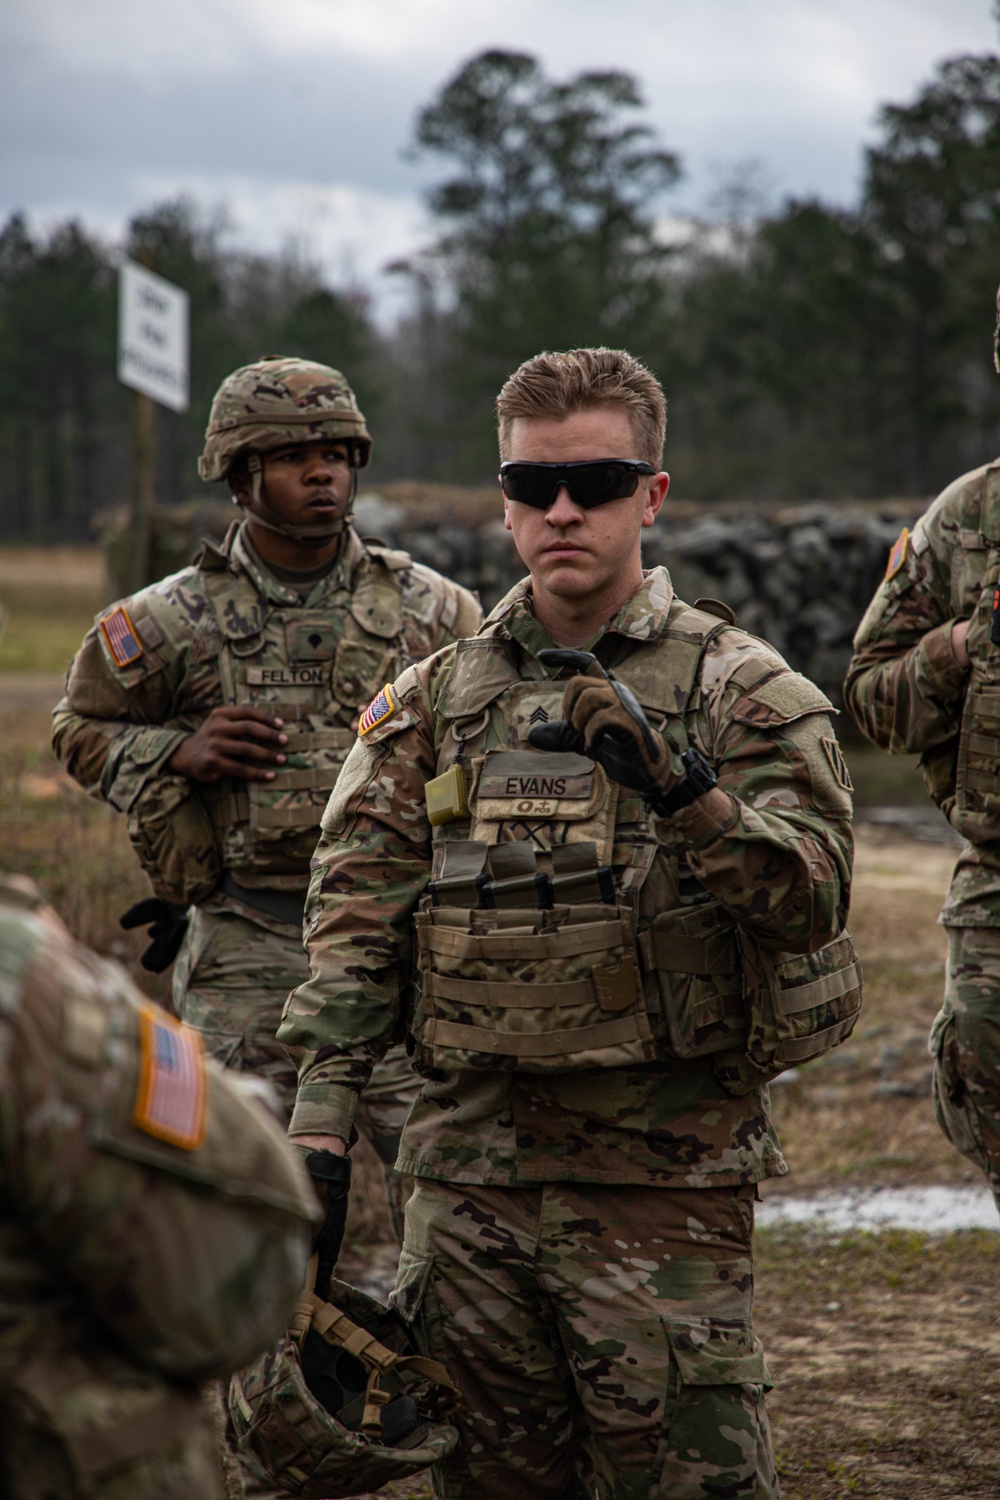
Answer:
(807, 350)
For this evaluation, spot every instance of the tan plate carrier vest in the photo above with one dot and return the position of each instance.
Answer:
(974, 773)
(557, 934)
(314, 668)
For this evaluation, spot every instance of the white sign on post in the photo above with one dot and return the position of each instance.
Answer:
(152, 336)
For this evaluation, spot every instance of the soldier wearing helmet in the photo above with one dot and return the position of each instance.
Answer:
(214, 710)
(925, 679)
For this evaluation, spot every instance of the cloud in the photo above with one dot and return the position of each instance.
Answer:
(297, 114)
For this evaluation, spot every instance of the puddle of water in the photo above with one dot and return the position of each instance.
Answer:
(934, 1210)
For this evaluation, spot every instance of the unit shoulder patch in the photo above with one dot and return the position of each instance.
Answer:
(897, 557)
(379, 709)
(171, 1102)
(121, 637)
(838, 765)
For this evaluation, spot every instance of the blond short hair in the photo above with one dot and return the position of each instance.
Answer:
(558, 384)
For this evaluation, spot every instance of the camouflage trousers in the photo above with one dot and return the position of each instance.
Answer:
(601, 1338)
(965, 1044)
(231, 979)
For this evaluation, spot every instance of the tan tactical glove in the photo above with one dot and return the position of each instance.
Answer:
(603, 719)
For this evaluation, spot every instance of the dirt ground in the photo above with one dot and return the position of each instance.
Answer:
(884, 1348)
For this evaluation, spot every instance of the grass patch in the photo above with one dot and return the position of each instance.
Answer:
(50, 597)
(884, 1349)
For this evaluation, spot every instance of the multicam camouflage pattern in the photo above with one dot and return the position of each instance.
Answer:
(779, 861)
(965, 1044)
(228, 631)
(635, 1312)
(129, 1268)
(224, 631)
(281, 400)
(284, 1436)
(909, 695)
(210, 991)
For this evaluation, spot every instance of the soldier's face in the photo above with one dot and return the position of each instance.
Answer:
(308, 483)
(570, 552)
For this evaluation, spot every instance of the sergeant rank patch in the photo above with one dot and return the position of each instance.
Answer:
(121, 636)
(897, 556)
(379, 709)
(173, 1088)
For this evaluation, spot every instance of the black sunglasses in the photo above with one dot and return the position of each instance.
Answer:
(592, 482)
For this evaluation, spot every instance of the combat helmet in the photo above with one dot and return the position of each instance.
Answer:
(344, 1404)
(277, 401)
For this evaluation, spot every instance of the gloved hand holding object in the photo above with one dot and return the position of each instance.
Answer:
(167, 925)
(604, 719)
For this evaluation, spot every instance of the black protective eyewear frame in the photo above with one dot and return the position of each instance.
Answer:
(590, 481)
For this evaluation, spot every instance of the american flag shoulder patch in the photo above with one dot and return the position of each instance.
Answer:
(379, 709)
(171, 1102)
(122, 637)
(897, 556)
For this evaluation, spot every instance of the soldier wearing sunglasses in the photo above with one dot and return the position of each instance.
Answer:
(576, 858)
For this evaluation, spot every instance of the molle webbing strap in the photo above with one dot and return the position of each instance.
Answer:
(509, 994)
(611, 989)
(294, 780)
(566, 942)
(793, 998)
(795, 1049)
(534, 1044)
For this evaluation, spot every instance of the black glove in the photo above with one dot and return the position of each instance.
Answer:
(604, 719)
(167, 926)
(331, 1177)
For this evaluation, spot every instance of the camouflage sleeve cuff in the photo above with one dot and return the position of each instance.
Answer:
(939, 675)
(324, 1109)
(699, 823)
(136, 757)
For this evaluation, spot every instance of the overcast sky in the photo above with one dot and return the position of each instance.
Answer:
(296, 114)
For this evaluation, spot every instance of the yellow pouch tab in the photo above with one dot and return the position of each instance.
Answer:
(447, 797)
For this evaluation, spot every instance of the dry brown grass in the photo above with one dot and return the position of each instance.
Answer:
(833, 1126)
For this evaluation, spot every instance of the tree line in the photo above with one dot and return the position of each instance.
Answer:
(809, 351)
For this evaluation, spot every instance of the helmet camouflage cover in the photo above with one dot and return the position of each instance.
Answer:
(277, 401)
(344, 1404)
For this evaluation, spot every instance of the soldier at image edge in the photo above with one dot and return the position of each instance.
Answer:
(607, 910)
(925, 679)
(214, 709)
(153, 1222)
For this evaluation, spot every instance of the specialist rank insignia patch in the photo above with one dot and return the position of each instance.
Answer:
(379, 709)
(120, 634)
(173, 1087)
(897, 556)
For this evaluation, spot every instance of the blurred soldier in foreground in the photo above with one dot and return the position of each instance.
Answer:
(629, 894)
(925, 678)
(215, 709)
(153, 1226)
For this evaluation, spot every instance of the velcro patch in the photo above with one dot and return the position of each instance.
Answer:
(838, 765)
(897, 557)
(379, 709)
(122, 637)
(171, 1102)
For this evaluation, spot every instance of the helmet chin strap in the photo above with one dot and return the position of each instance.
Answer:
(306, 536)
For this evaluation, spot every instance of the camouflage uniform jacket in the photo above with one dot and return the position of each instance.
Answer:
(780, 863)
(909, 695)
(152, 1228)
(227, 630)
